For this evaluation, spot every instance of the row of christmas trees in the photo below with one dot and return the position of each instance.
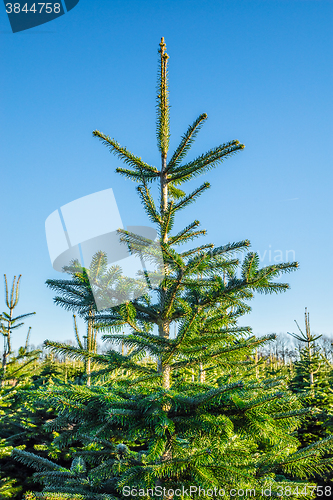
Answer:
(189, 406)
(27, 419)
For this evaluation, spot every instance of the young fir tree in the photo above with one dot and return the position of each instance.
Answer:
(76, 295)
(8, 323)
(14, 373)
(313, 377)
(160, 423)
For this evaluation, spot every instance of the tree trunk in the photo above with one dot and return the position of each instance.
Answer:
(89, 345)
(6, 347)
(88, 372)
(202, 374)
(256, 363)
(163, 369)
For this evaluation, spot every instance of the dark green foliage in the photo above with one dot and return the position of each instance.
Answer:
(22, 425)
(231, 435)
(23, 416)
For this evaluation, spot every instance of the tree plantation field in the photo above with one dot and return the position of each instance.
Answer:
(178, 399)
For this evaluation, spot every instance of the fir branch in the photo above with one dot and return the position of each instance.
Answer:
(249, 344)
(191, 197)
(196, 250)
(127, 157)
(204, 162)
(202, 399)
(115, 360)
(179, 236)
(130, 174)
(35, 461)
(186, 142)
(149, 204)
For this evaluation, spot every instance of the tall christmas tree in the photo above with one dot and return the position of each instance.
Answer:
(181, 412)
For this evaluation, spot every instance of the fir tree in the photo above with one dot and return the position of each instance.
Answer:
(313, 377)
(76, 295)
(146, 423)
(8, 323)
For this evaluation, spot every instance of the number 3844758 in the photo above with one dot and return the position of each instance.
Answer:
(36, 8)
(320, 491)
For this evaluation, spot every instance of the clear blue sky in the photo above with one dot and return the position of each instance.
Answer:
(261, 70)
